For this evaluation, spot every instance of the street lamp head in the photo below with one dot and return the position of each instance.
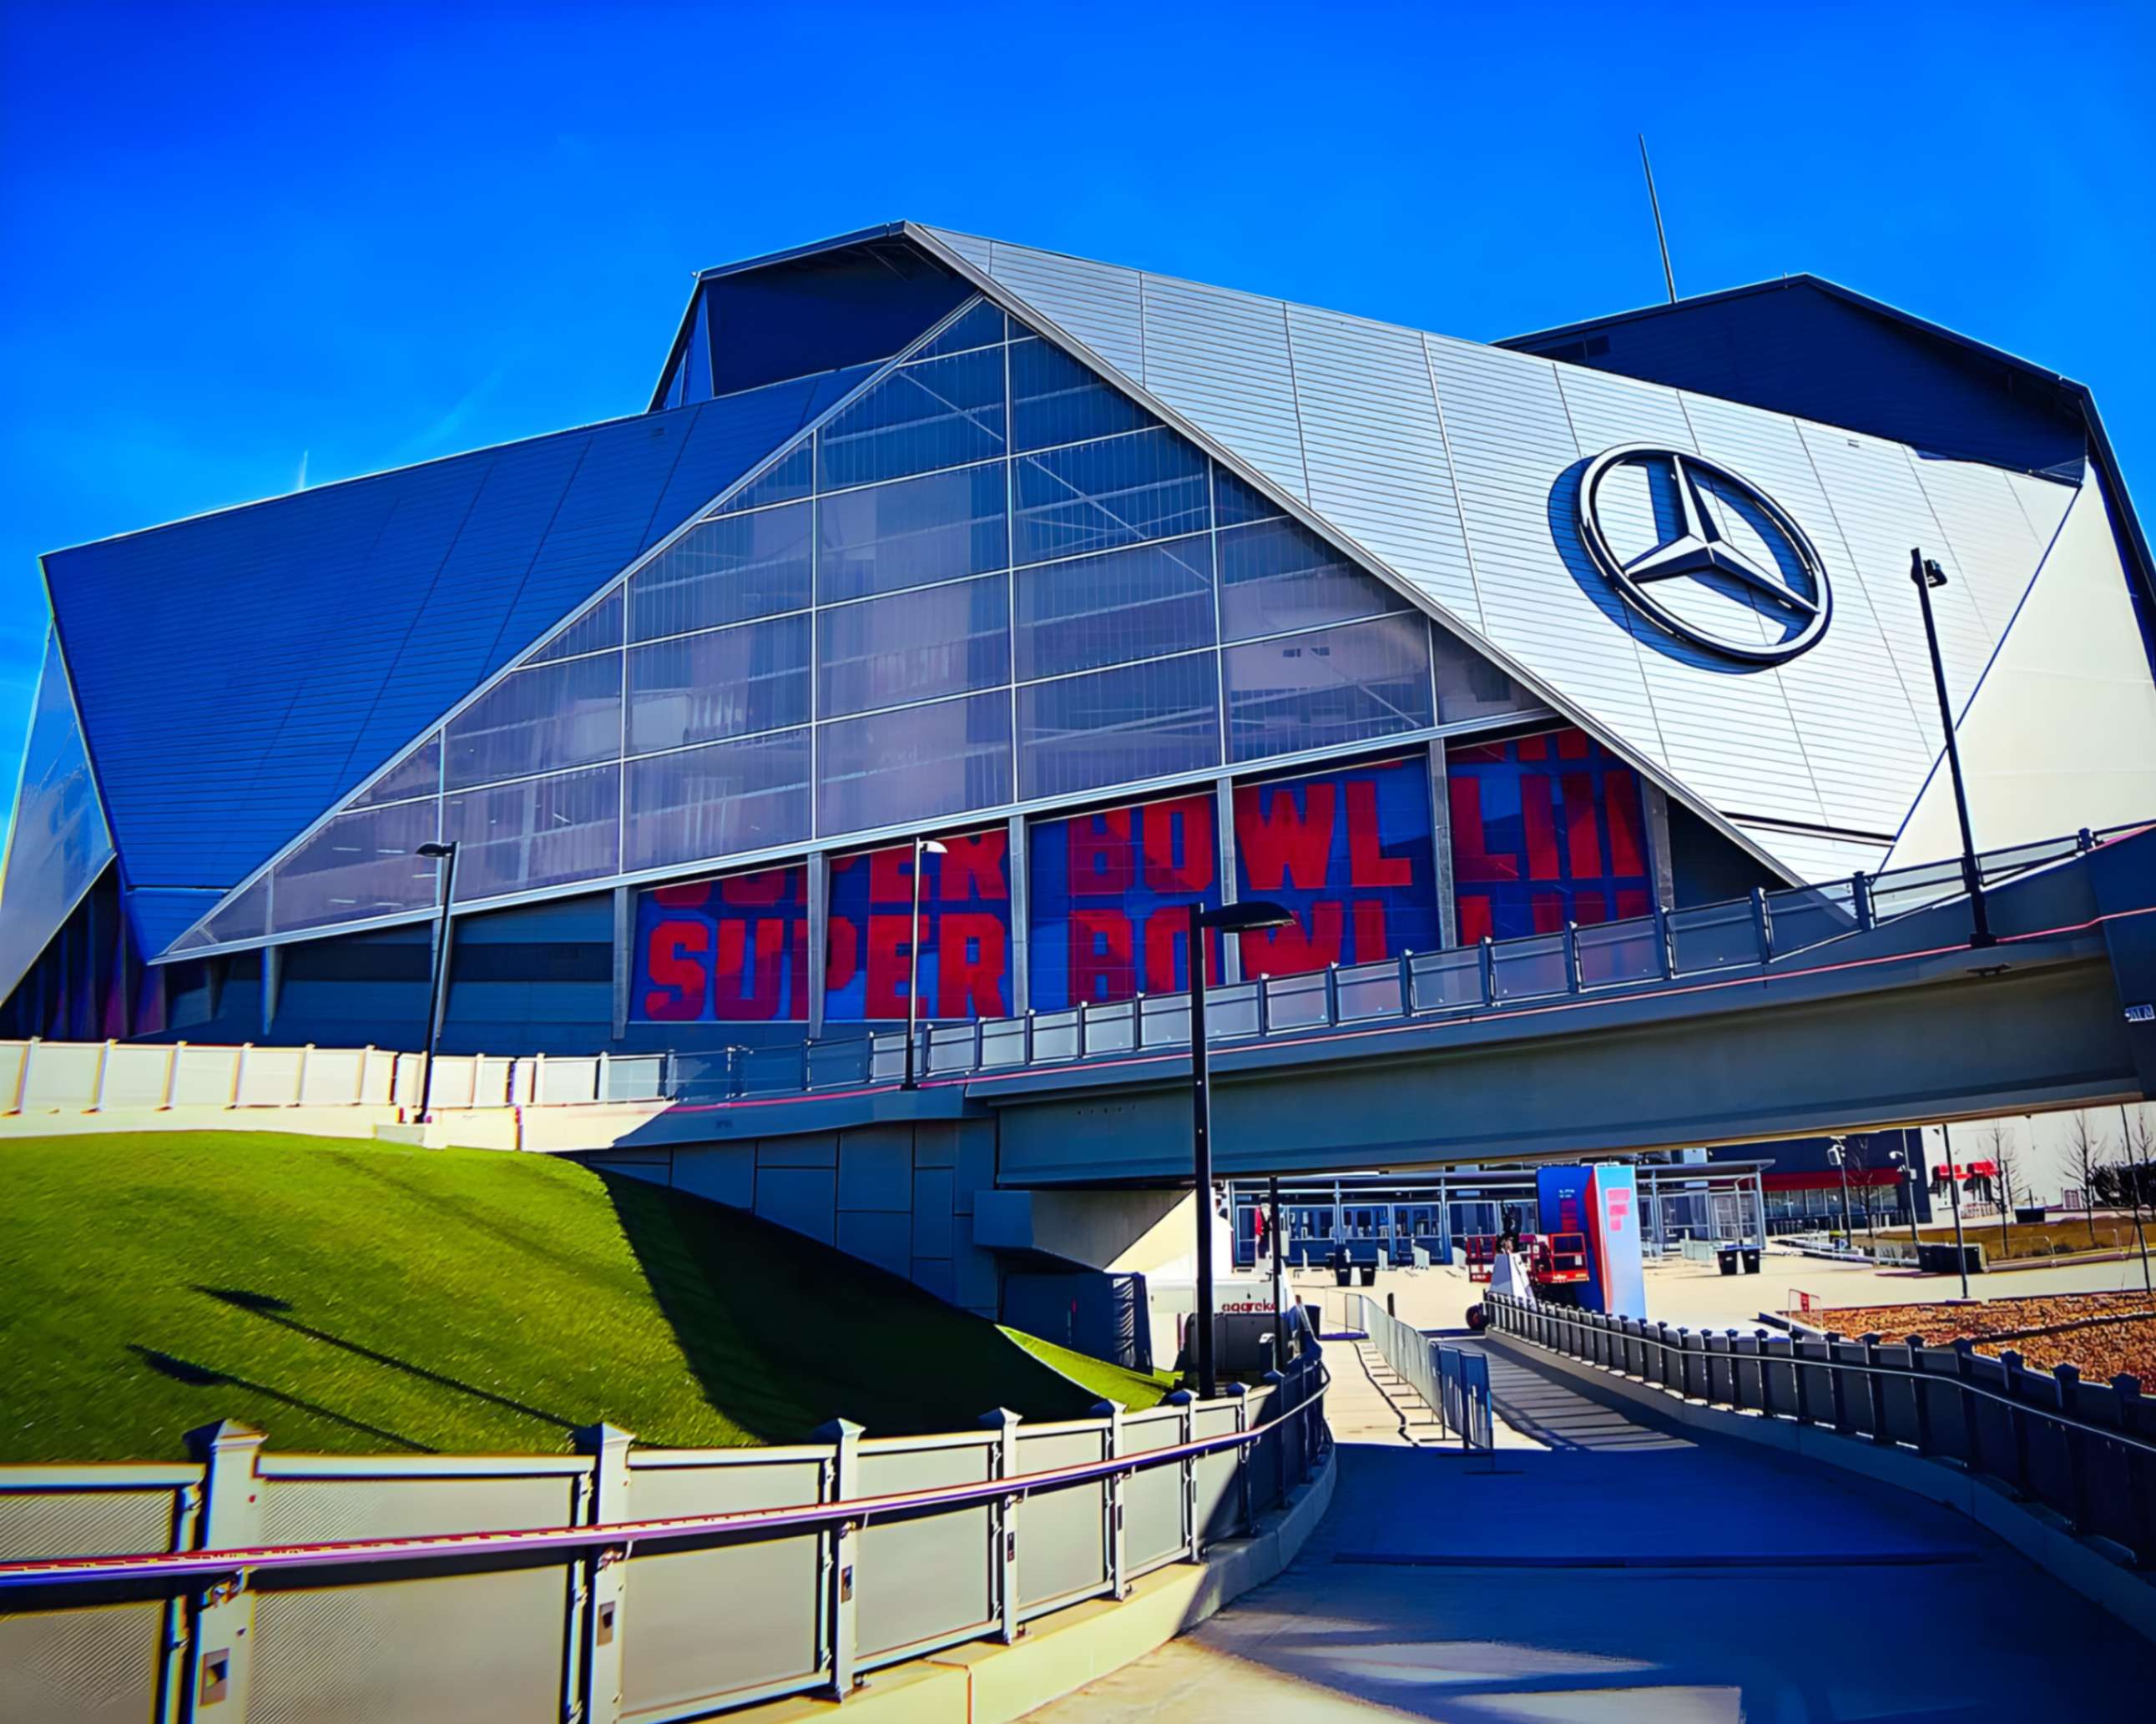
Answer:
(1248, 917)
(934, 847)
(1925, 571)
(439, 851)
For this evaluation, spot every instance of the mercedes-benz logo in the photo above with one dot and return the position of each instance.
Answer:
(1738, 585)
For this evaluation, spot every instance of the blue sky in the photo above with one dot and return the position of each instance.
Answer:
(241, 242)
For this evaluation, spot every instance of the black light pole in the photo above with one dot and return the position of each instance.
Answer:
(1954, 1191)
(921, 847)
(2130, 1166)
(1908, 1177)
(1927, 574)
(1228, 919)
(438, 992)
(1280, 1304)
(1840, 1157)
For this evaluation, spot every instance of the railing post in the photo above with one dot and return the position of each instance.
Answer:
(1875, 1391)
(1026, 1047)
(1407, 984)
(1004, 1521)
(2138, 1495)
(97, 1084)
(2084, 841)
(1860, 898)
(1762, 925)
(1111, 1415)
(220, 1646)
(1239, 1394)
(1572, 977)
(238, 1071)
(1332, 996)
(601, 1070)
(2017, 1426)
(2076, 1445)
(841, 1546)
(1080, 1054)
(1489, 972)
(1194, 1533)
(300, 1076)
(1918, 1383)
(1264, 1006)
(1965, 1368)
(1666, 942)
(1730, 1339)
(1837, 1390)
(979, 1024)
(606, 1573)
(172, 1077)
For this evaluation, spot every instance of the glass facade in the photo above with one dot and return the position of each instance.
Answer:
(1545, 829)
(989, 579)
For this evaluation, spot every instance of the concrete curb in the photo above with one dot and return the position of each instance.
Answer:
(984, 1683)
(2037, 1533)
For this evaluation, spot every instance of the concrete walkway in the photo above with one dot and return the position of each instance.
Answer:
(1610, 1569)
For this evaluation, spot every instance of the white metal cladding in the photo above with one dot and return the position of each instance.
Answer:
(1448, 466)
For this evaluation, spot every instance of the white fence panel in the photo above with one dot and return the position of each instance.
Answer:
(561, 1080)
(332, 1077)
(63, 1076)
(271, 1077)
(11, 1071)
(135, 1077)
(205, 1077)
(379, 1078)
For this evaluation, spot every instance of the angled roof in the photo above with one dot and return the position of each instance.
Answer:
(218, 721)
(1450, 467)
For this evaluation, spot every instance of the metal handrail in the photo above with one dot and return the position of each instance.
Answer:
(620, 1535)
(2109, 1433)
(1935, 882)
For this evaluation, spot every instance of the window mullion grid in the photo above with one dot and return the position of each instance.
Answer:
(1010, 562)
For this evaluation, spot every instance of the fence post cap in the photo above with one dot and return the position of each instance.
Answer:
(593, 1438)
(1273, 1379)
(223, 1438)
(997, 1418)
(1106, 1409)
(1871, 1339)
(1179, 1398)
(2009, 1358)
(2067, 1373)
(1913, 1341)
(1229, 1391)
(2126, 1384)
(1964, 1346)
(837, 1430)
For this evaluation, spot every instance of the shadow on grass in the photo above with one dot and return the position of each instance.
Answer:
(276, 1310)
(782, 1332)
(194, 1375)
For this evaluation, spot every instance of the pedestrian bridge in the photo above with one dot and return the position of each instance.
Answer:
(1863, 1004)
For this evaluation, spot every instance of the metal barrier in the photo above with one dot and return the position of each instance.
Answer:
(1454, 1384)
(624, 1584)
(1495, 976)
(2086, 1449)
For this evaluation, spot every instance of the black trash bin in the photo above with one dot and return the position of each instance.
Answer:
(1369, 1274)
(1751, 1259)
(1727, 1257)
(1344, 1274)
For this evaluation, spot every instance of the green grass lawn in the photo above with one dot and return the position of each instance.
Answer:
(363, 1298)
(1134, 1389)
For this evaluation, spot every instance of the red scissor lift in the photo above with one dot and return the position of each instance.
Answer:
(1553, 1261)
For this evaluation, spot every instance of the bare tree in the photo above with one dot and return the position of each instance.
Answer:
(1999, 1140)
(1856, 1153)
(2137, 1140)
(2085, 1154)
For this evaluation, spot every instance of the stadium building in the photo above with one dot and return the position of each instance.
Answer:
(1126, 591)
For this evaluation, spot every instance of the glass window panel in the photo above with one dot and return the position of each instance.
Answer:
(1093, 611)
(917, 764)
(598, 628)
(419, 773)
(1336, 686)
(703, 688)
(705, 802)
(913, 646)
(534, 720)
(942, 412)
(1470, 686)
(1119, 726)
(910, 533)
(359, 865)
(544, 832)
(246, 917)
(792, 475)
(1276, 576)
(980, 327)
(1055, 399)
(1237, 502)
(728, 570)
(59, 842)
(1096, 497)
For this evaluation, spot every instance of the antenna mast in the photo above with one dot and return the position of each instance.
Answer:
(1662, 238)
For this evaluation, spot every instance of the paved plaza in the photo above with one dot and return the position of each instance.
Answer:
(1599, 1566)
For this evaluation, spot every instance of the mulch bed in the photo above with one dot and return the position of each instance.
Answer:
(2103, 1334)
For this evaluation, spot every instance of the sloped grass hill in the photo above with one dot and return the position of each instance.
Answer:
(363, 1298)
